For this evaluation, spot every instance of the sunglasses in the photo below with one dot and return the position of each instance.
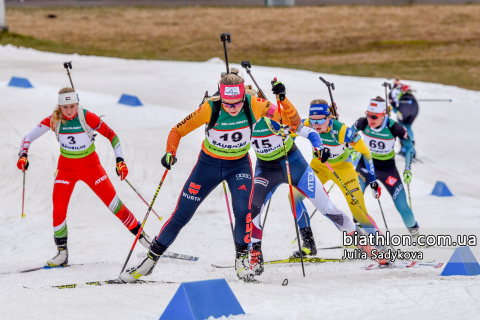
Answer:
(372, 116)
(321, 121)
(235, 105)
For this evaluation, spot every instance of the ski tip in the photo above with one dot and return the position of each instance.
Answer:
(23, 215)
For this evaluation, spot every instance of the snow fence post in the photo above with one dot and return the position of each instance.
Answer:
(441, 190)
(462, 263)
(201, 300)
(3, 24)
(129, 100)
(20, 82)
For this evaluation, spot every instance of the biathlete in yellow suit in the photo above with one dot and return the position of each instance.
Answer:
(336, 136)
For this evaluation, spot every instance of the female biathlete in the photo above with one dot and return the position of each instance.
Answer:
(74, 128)
(229, 116)
(271, 172)
(406, 107)
(335, 136)
(380, 133)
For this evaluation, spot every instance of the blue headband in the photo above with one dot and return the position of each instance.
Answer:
(320, 109)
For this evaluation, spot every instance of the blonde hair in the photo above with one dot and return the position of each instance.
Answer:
(380, 99)
(249, 90)
(321, 101)
(228, 78)
(57, 113)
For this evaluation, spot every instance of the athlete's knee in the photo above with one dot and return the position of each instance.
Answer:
(338, 217)
(180, 219)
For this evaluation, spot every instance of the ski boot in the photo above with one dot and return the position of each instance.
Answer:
(146, 267)
(61, 259)
(308, 247)
(414, 233)
(242, 266)
(144, 239)
(256, 258)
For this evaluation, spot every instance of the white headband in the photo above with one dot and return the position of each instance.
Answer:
(377, 106)
(67, 98)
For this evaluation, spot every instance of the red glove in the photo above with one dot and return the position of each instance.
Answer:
(22, 163)
(122, 169)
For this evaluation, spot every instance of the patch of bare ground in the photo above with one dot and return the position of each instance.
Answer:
(429, 43)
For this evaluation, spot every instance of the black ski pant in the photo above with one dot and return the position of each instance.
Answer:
(207, 174)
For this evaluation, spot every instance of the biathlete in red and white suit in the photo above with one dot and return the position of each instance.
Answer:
(74, 128)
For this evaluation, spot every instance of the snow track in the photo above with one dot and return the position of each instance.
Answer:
(170, 91)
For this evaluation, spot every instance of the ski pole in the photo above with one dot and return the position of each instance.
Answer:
(383, 216)
(68, 65)
(331, 86)
(23, 197)
(224, 37)
(247, 66)
(228, 209)
(145, 220)
(435, 100)
(409, 198)
(351, 194)
(287, 165)
(333, 184)
(159, 218)
(266, 213)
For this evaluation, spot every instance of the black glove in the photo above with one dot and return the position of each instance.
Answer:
(323, 155)
(278, 88)
(169, 160)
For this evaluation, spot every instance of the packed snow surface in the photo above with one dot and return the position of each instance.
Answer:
(446, 135)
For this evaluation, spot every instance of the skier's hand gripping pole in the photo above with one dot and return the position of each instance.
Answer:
(145, 220)
(159, 217)
(289, 176)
